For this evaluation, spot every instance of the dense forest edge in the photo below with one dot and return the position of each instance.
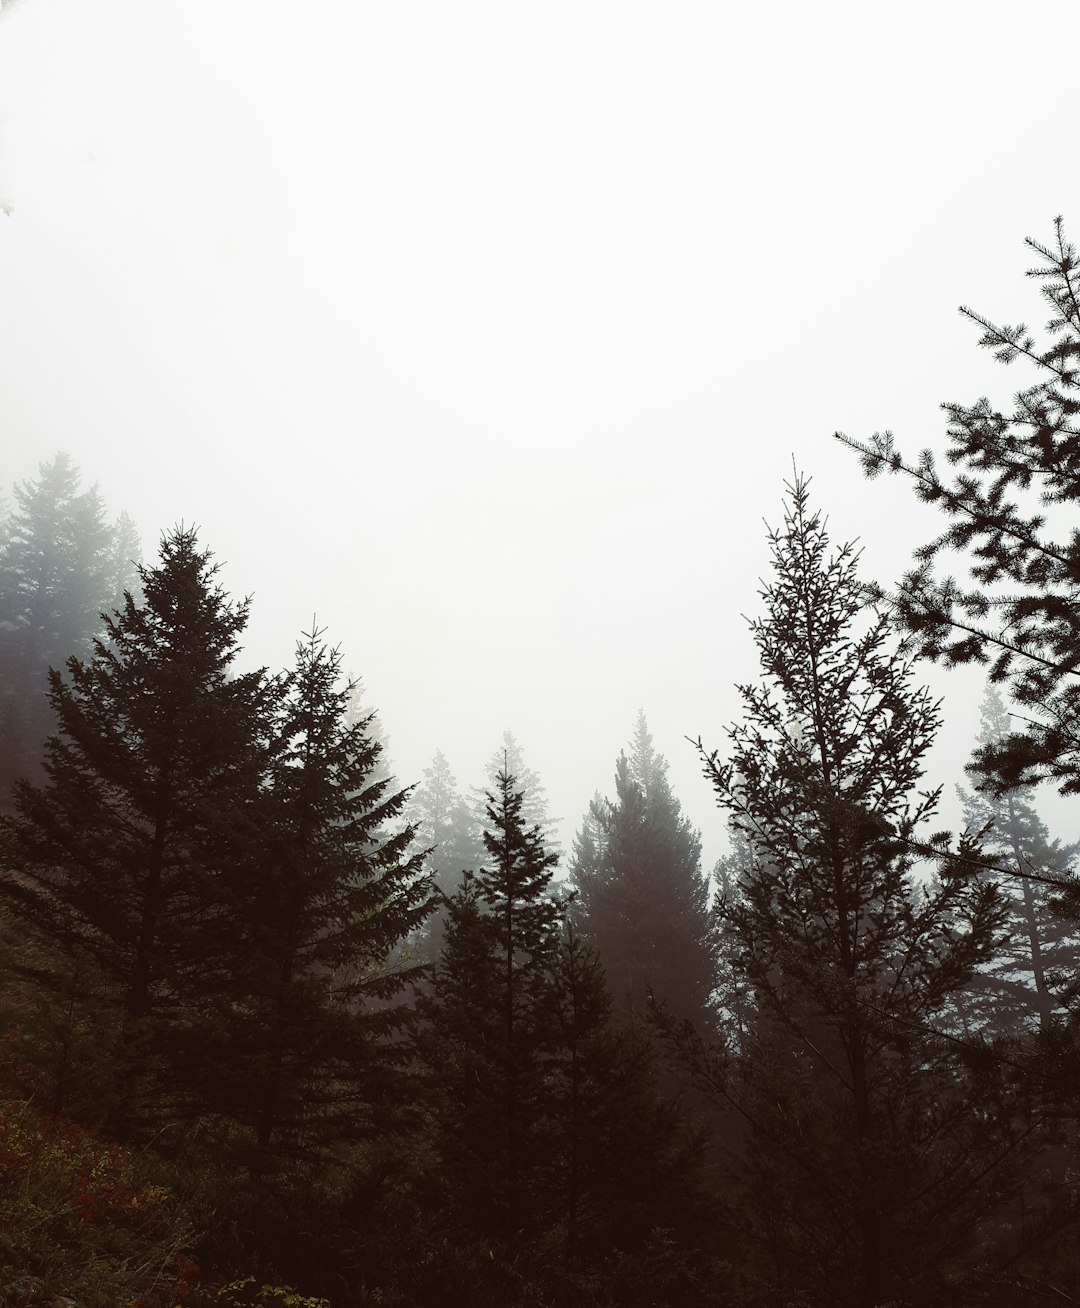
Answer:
(276, 1028)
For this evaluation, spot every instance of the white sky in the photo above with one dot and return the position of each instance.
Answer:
(488, 332)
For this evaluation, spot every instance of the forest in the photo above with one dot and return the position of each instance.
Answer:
(278, 1027)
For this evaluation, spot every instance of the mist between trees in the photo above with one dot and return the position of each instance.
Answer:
(272, 1018)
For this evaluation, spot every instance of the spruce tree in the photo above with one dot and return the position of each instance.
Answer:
(642, 898)
(322, 900)
(447, 829)
(487, 1019)
(112, 860)
(59, 568)
(509, 756)
(867, 1151)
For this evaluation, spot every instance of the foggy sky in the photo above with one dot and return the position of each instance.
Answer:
(489, 332)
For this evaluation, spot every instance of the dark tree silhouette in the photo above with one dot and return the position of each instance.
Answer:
(643, 901)
(487, 1020)
(1020, 610)
(865, 1155)
(113, 857)
(323, 900)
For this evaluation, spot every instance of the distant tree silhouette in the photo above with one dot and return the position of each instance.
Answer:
(643, 900)
(447, 828)
(509, 756)
(61, 565)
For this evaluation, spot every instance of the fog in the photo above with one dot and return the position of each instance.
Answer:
(489, 333)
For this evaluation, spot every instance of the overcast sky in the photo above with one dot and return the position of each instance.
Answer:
(489, 332)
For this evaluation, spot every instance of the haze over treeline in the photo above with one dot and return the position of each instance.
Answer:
(498, 806)
(410, 307)
(276, 1028)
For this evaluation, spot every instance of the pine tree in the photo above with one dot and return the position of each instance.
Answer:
(867, 1152)
(54, 582)
(642, 899)
(124, 561)
(618, 1160)
(509, 756)
(112, 860)
(1020, 610)
(486, 1018)
(1029, 979)
(446, 828)
(515, 883)
(322, 902)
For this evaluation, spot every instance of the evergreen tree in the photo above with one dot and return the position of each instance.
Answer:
(619, 1161)
(510, 757)
(868, 1150)
(54, 582)
(1020, 611)
(516, 885)
(112, 860)
(487, 1029)
(446, 828)
(642, 898)
(124, 561)
(322, 902)
(1031, 974)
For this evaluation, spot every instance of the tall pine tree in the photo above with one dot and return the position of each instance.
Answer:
(322, 899)
(113, 859)
(867, 1152)
(487, 1020)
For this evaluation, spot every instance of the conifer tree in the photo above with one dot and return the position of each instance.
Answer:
(487, 1027)
(509, 756)
(1020, 610)
(867, 1151)
(515, 883)
(642, 898)
(56, 577)
(617, 1158)
(446, 828)
(112, 860)
(322, 901)
(1033, 972)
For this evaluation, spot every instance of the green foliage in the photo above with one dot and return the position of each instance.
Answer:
(86, 1220)
(246, 1293)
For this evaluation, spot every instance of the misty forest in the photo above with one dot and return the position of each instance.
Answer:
(279, 1026)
